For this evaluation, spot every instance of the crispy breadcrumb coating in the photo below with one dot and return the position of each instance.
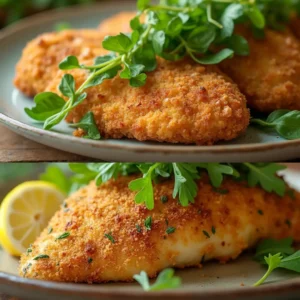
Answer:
(109, 242)
(117, 23)
(270, 76)
(181, 102)
(40, 59)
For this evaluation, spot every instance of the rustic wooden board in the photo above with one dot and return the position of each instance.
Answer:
(15, 148)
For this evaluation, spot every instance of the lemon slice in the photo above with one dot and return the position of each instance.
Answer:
(25, 212)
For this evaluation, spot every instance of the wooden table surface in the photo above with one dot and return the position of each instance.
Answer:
(15, 148)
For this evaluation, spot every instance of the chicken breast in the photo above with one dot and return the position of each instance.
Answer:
(117, 23)
(41, 57)
(181, 102)
(269, 77)
(108, 240)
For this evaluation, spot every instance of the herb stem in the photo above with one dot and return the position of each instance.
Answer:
(264, 278)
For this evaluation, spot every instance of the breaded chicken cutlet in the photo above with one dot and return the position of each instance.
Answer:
(41, 57)
(181, 102)
(108, 240)
(269, 77)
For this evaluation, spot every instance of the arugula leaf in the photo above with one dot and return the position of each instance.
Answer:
(46, 105)
(88, 124)
(165, 280)
(270, 246)
(266, 176)
(185, 185)
(216, 172)
(285, 122)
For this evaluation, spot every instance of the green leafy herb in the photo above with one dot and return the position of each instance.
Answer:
(164, 199)
(110, 237)
(41, 256)
(165, 280)
(285, 122)
(138, 228)
(172, 30)
(148, 223)
(62, 26)
(270, 246)
(88, 124)
(170, 230)
(63, 236)
(266, 176)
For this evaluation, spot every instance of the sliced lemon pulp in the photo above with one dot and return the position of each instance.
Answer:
(25, 212)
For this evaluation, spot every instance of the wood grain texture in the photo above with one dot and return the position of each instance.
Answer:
(15, 148)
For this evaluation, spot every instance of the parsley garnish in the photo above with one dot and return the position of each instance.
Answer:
(50, 230)
(138, 228)
(164, 199)
(90, 260)
(165, 280)
(110, 237)
(260, 212)
(148, 223)
(213, 230)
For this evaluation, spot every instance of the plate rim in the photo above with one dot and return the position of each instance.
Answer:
(54, 14)
(96, 290)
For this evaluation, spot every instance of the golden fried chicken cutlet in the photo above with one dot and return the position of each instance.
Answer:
(181, 102)
(40, 59)
(117, 23)
(108, 240)
(269, 77)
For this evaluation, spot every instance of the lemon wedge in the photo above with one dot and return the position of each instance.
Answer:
(25, 212)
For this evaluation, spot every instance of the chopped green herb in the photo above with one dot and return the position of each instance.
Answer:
(25, 270)
(213, 230)
(41, 256)
(90, 260)
(148, 223)
(291, 194)
(165, 280)
(288, 223)
(138, 228)
(206, 234)
(260, 212)
(164, 199)
(170, 230)
(50, 230)
(63, 236)
(110, 237)
(220, 191)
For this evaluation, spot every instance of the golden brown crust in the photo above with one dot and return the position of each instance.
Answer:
(40, 59)
(181, 103)
(241, 217)
(270, 76)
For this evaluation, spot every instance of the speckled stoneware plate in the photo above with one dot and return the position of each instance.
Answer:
(233, 281)
(253, 146)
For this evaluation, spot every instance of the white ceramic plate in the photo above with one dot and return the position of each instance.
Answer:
(253, 146)
(233, 280)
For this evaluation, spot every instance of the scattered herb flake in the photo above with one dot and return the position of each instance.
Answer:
(260, 212)
(41, 256)
(63, 236)
(213, 230)
(90, 260)
(206, 234)
(170, 230)
(138, 228)
(50, 230)
(164, 199)
(110, 237)
(148, 223)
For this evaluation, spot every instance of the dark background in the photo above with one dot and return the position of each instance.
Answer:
(13, 10)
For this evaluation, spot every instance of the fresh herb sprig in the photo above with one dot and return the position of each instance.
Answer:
(184, 176)
(173, 29)
(286, 123)
(277, 254)
(165, 280)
